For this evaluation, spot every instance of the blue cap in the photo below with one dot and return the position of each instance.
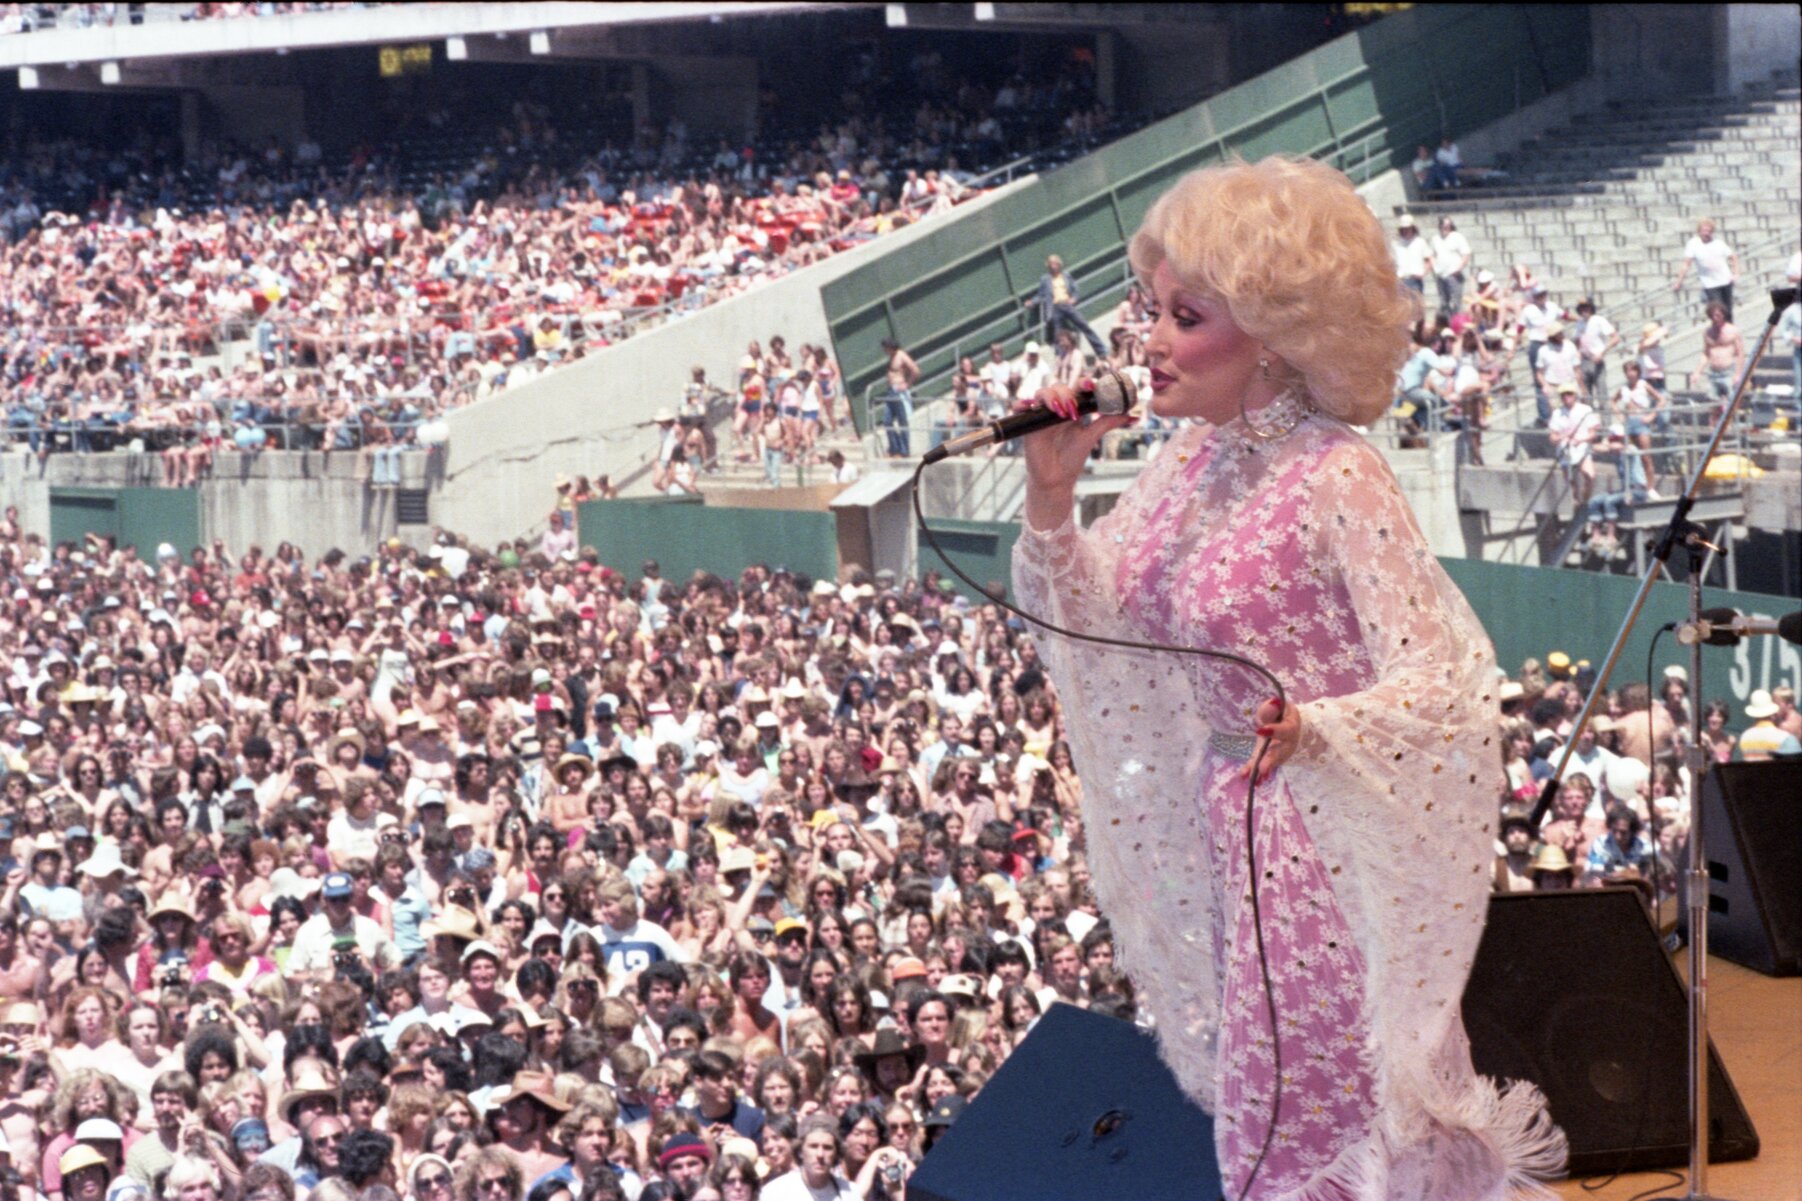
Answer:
(478, 859)
(337, 885)
(244, 784)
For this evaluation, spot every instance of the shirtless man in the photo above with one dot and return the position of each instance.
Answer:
(1634, 741)
(20, 970)
(1723, 353)
(1789, 718)
(902, 374)
(471, 798)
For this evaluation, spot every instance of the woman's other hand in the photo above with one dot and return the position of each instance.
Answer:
(1279, 733)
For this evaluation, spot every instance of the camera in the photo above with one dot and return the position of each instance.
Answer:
(213, 887)
(891, 1172)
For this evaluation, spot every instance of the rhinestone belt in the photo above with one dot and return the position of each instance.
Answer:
(1233, 746)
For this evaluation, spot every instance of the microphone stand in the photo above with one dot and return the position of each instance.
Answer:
(1681, 531)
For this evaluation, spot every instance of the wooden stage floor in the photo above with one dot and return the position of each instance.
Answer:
(1756, 1024)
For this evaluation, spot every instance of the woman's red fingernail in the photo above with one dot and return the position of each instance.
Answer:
(1266, 731)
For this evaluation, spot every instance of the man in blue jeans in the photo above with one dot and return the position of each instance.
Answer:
(1056, 300)
(898, 403)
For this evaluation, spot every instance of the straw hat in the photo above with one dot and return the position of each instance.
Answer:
(574, 760)
(80, 1156)
(172, 902)
(354, 737)
(1551, 858)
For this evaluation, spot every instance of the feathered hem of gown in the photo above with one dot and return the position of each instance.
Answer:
(1503, 1143)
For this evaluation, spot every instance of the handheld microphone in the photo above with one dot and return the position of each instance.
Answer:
(1725, 627)
(1108, 395)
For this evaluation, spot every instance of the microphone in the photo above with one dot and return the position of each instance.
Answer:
(1725, 627)
(1109, 396)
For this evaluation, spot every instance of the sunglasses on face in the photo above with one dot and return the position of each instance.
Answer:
(436, 1180)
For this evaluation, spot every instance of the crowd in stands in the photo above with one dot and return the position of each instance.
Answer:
(511, 874)
(283, 296)
(355, 311)
(1466, 346)
(29, 18)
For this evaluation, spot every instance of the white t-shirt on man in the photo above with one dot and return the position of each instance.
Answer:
(1712, 261)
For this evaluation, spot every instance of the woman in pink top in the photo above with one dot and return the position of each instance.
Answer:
(1274, 530)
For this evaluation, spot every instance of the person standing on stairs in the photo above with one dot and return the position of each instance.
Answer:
(1717, 266)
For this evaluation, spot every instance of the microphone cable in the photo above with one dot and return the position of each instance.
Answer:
(1251, 787)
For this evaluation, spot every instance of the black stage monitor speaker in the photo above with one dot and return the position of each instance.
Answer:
(1572, 991)
(1083, 1110)
(1752, 823)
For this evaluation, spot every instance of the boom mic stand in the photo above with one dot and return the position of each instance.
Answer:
(1682, 532)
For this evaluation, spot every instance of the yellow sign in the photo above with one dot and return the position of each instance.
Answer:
(404, 60)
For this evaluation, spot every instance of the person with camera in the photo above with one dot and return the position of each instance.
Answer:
(173, 951)
(337, 926)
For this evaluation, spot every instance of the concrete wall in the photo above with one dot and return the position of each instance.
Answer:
(586, 419)
(1652, 50)
(310, 499)
(1754, 40)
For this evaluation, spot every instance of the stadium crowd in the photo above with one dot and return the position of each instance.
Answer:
(510, 874)
(29, 18)
(357, 310)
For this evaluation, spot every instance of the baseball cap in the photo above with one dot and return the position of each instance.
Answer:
(482, 946)
(336, 886)
(790, 925)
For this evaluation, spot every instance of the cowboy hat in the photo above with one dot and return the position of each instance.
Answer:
(352, 736)
(454, 922)
(539, 1086)
(889, 1043)
(314, 1079)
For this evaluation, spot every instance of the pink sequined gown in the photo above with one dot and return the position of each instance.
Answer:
(1216, 590)
(1299, 554)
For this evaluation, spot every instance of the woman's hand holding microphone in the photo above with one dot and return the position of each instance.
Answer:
(1055, 456)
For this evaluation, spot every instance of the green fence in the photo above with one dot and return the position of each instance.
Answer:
(686, 536)
(1533, 611)
(140, 517)
(983, 550)
(1361, 102)
(1529, 613)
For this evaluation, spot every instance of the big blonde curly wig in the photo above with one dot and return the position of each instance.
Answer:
(1301, 264)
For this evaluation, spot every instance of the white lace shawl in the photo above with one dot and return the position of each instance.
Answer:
(1396, 785)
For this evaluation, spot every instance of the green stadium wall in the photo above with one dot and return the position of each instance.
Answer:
(139, 517)
(1529, 612)
(686, 536)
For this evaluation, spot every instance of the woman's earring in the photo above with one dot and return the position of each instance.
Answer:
(1264, 367)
